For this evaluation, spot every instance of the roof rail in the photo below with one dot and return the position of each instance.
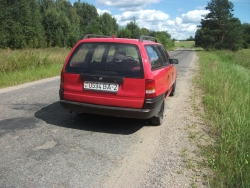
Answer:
(95, 35)
(147, 37)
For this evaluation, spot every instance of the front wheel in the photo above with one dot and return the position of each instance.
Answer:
(158, 118)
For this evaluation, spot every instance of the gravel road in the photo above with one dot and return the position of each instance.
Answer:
(43, 145)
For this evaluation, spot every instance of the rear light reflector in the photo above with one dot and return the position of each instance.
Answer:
(150, 89)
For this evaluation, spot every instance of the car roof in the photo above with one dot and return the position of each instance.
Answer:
(103, 38)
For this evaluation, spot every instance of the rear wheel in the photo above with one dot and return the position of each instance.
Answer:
(173, 89)
(158, 118)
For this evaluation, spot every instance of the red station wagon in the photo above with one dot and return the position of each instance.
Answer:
(120, 77)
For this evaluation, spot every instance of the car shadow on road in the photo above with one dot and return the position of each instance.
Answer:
(54, 114)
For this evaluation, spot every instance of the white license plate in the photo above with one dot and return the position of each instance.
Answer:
(101, 86)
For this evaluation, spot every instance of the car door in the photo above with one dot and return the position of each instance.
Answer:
(157, 68)
(168, 77)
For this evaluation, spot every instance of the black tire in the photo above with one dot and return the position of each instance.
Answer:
(158, 118)
(173, 89)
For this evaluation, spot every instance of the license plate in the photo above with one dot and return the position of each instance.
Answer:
(101, 86)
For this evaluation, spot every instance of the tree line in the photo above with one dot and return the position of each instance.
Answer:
(221, 30)
(58, 23)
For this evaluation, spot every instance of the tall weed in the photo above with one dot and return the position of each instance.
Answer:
(30, 64)
(225, 80)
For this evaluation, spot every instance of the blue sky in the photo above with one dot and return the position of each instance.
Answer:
(178, 17)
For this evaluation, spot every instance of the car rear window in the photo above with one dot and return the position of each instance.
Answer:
(107, 59)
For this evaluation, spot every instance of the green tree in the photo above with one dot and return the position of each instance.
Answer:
(69, 23)
(108, 25)
(57, 27)
(92, 27)
(145, 31)
(63, 6)
(63, 25)
(191, 38)
(4, 23)
(87, 13)
(165, 39)
(37, 34)
(152, 33)
(20, 24)
(200, 38)
(218, 26)
(46, 4)
(134, 29)
(50, 20)
(115, 26)
(246, 35)
(234, 35)
(74, 31)
(124, 33)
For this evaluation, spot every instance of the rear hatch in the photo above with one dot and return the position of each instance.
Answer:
(105, 73)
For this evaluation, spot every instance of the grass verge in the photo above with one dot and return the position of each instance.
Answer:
(184, 44)
(21, 66)
(224, 78)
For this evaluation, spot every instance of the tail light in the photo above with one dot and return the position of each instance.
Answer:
(150, 89)
(62, 80)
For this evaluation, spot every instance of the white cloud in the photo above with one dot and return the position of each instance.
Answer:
(148, 17)
(200, 7)
(193, 16)
(170, 22)
(178, 21)
(100, 12)
(124, 5)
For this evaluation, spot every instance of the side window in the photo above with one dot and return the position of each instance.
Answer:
(154, 57)
(164, 56)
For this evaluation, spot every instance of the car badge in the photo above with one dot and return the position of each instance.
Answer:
(100, 78)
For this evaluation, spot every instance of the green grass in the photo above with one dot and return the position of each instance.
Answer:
(184, 44)
(20, 66)
(224, 77)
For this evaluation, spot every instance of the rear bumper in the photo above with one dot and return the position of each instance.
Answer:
(151, 107)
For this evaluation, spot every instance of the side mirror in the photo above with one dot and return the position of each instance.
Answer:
(174, 61)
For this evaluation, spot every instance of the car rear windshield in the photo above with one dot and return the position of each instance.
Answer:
(106, 59)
